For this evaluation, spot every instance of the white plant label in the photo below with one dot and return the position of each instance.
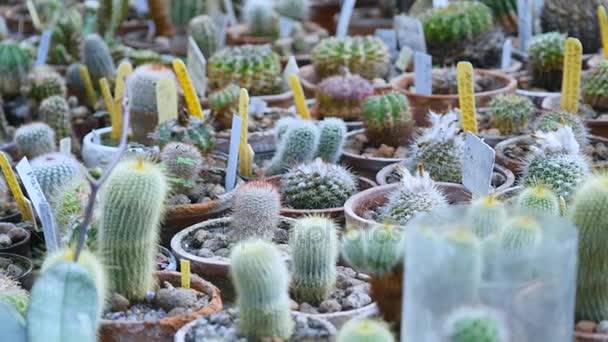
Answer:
(525, 23)
(409, 33)
(257, 106)
(507, 52)
(141, 6)
(43, 47)
(197, 67)
(423, 73)
(344, 19)
(65, 145)
(477, 165)
(233, 152)
(221, 22)
(285, 27)
(440, 3)
(291, 68)
(230, 11)
(389, 37)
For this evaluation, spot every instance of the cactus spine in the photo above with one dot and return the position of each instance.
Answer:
(97, 58)
(261, 19)
(54, 170)
(595, 86)
(299, 144)
(204, 32)
(14, 66)
(475, 325)
(342, 96)
(539, 199)
(365, 330)
(546, 56)
(43, 82)
(486, 215)
(387, 119)
(35, 139)
(510, 113)
(182, 160)
(185, 129)
(56, 112)
(255, 211)
(376, 251)
(521, 233)
(224, 103)
(13, 294)
(552, 121)
(331, 139)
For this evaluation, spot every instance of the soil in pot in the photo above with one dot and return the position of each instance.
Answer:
(15, 238)
(11, 267)
(165, 260)
(8, 210)
(358, 144)
(209, 186)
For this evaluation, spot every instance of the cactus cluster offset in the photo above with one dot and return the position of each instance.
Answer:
(204, 32)
(44, 82)
(332, 135)
(261, 19)
(298, 144)
(539, 198)
(365, 330)
(181, 11)
(595, 86)
(182, 160)
(12, 293)
(14, 66)
(546, 56)
(186, 129)
(96, 56)
(387, 119)
(510, 113)
(54, 170)
(224, 103)
(342, 96)
(255, 211)
(55, 111)
(367, 56)
(471, 324)
(376, 251)
(552, 121)
(35, 139)
(254, 67)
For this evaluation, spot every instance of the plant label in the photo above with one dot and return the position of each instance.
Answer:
(507, 52)
(31, 8)
(166, 100)
(194, 107)
(389, 37)
(11, 180)
(245, 155)
(43, 47)
(525, 23)
(423, 73)
(440, 3)
(88, 85)
(601, 14)
(233, 153)
(257, 106)
(221, 22)
(571, 83)
(184, 267)
(230, 11)
(285, 26)
(197, 67)
(477, 165)
(291, 68)
(65, 145)
(124, 70)
(346, 12)
(466, 96)
(298, 95)
(409, 33)
(104, 86)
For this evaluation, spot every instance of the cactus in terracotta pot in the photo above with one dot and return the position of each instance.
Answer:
(204, 32)
(255, 211)
(342, 96)
(261, 18)
(546, 56)
(224, 103)
(35, 139)
(387, 119)
(510, 113)
(594, 87)
(365, 330)
(14, 66)
(186, 129)
(551, 121)
(469, 324)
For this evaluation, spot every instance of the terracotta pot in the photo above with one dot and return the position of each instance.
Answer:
(365, 166)
(316, 115)
(589, 337)
(422, 104)
(598, 126)
(27, 278)
(335, 213)
(387, 292)
(338, 319)
(323, 12)
(513, 69)
(162, 329)
(309, 80)
(18, 16)
(22, 247)
(238, 35)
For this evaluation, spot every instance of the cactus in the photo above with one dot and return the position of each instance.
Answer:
(255, 211)
(364, 330)
(486, 215)
(367, 56)
(35, 139)
(254, 67)
(224, 103)
(181, 11)
(387, 119)
(510, 113)
(13, 294)
(342, 96)
(14, 66)
(557, 163)
(314, 245)
(295, 9)
(130, 221)
(261, 281)
(440, 148)
(546, 56)
(551, 121)
(505, 13)
(110, 15)
(261, 19)
(416, 193)
(522, 233)
(299, 145)
(317, 185)
(73, 80)
(55, 111)
(97, 58)
(595, 86)
(539, 198)
(186, 129)
(54, 170)
(66, 38)
(281, 127)
(331, 139)
(43, 82)
(67, 205)
(470, 324)
(182, 160)
(204, 32)
(588, 213)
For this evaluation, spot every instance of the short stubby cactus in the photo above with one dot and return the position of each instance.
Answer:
(183, 161)
(387, 119)
(204, 32)
(14, 66)
(255, 211)
(55, 111)
(43, 82)
(332, 135)
(96, 56)
(553, 120)
(294, 9)
(510, 113)
(546, 56)
(261, 281)
(472, 324)
(486, 215)
(375, 251)
(132, 209)
(254, 67)
(317, 185)
(342, 96)
(595, 86)
(224, 103)
(185, 129)
(298, 145)
(367, 56)
(261, 19)
(53, 170)
(540, 199)
(181, 11)
(314, 246)
(12, 293)
(35, 139)
(521, 233)
(578, 18)
(365, 330)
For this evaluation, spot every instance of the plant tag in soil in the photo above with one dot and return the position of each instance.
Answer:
(507, 52)
(423, 73)
(197, 66)
(40, 203)
(389, 37)
(194, 107)
(166, 100)
(346, 11)
(466, 97)
(524, 23)
(65, 145)
(285, 26)
(291, 68)
(298, 95)
(230, 11)
(440, 3)
(124, 70)
(257, 106)
(571, 82)
(88, 85)
(221, 23)
(104, 86)
(477, 165)
(22, 203)
(184, 267)
(31, 8)
(245, 155)
(409, 33)
(233, 153)
(601, 15)
(43, 47)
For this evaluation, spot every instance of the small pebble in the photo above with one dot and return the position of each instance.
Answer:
(14, 271)
(307, 308)
(586, 326)
(293, 305)
(201, 235)
(356, 300)
(169, 299)
(330, 305)
(17, 234)
(205, 253)
(177, 312)
(385, 151)
(5, 241)
(5, 227)
(223, 252)
(119, 303)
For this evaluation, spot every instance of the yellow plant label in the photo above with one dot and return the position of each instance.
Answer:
(194, 107)
(166, 100)
(466, 97)
(185, 271)
(88, 85)
(601, 14)
(109, 102)
(124, 70)
(571, 83)
(31, 8)
(9, 175)
(298, 94)
(244, 151)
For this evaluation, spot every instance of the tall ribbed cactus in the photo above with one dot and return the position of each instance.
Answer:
(96, 56)
(14, 65)
(299, 144)
(35, 139)
(332, 135)
(110, 15)
(387, 119)
(261, 281)
(130, 221)
(55, 111)
(181, 11)
(365, 330)
(224, 103)
(205, 33)
(53, 170)
(255, 211)
(376, 251)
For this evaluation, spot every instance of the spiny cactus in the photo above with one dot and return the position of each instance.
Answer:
(595, 86)
(261, 281)
(314, 245)
(14, 66)
(551, 121)
(43, 82)
(130, 220)
(255, 211)
(204, 32)
(510, 113)
(55, 111)
(67, 205)
(486, 215)
(224, 103)
(588, 213)
(387, 119)
(294, 9)
(281, 126)
(66, 38)
(299, 144)
(181, 11)
(439, 148)
(110, 15)
(54, 170)
(317, 185)
(364, 330)
(376, 251)
(521, 233)
(546, 56)
(254, 67)
(367, 56)
(416, 193)
(186, 129)
(261, 19)
(505, 13)
(332, 135)
(539, 198)
(342, 96)
(182, 160)
(96, 56)
(35, 139)
(12, 293)
(470, 324)
(73, 80)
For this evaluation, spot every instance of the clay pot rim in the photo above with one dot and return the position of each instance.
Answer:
(23, 261)
(364, 311)
(547, 105)
(18, 244)
(361, 157)
(308, 76)
(402, 82)
(239, 34)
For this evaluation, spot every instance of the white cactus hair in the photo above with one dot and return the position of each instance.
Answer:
(442, 127)
(561, 140)
(419, 181)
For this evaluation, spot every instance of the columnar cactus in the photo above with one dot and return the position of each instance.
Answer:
(551, 121)
(186, 129)
(299, 144)
(588, 212)
(66, 38)
(204, 32)
(12, 293)
(224, 103)
(96, 56)
(14, 66)
(387, 119)
(43, 82)
(342, 96)
(130, 221)
(255, 211)
(510, 113)
(55, 111)
(181, 11)
(546, 56)
(54, 170)
(539, 198)
(367, 56)
(471, 324)
(332, 135)
(184, 162)
(261, 280)
(281, 126)
(260, 17)
(365, 330)
(314, 245)
(73, 79)
(486, 215)
(595, 86)
(35, 139)
(375, 251)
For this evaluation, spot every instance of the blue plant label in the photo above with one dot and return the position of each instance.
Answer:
(346, 12)
(525, 23)
(285, 26)
(477, 165)
(507, 52)
(43, 47)
(233, 152)
(423, 73)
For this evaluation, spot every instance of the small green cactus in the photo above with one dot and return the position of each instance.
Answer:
(505, 13)
(97, 58)
(14, 66)
(43, 82)
(181, 11)
(540, 199)
(522, 233)
(294, 9)
(553, 120)
(54, 170)
(387, 119)
(185, 129)
(470, 324)
(376, 251)
(342, 96)
(546, 56)
(261, 19)
(110, 15)
(332, 135)
(314, 245)
(204, 32)
(299, 145)
(12, 293)
(261, 281)
(35, 139)
(67, 205)
(255, 211)
(510, 113)
(486, 215)
(182, 160)
(365, 330)
(578, 18)
(55, 111)
(73, 80)
(281, 127)
(224, 103)
(317, 185)
(66, 38)
(595, 86)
